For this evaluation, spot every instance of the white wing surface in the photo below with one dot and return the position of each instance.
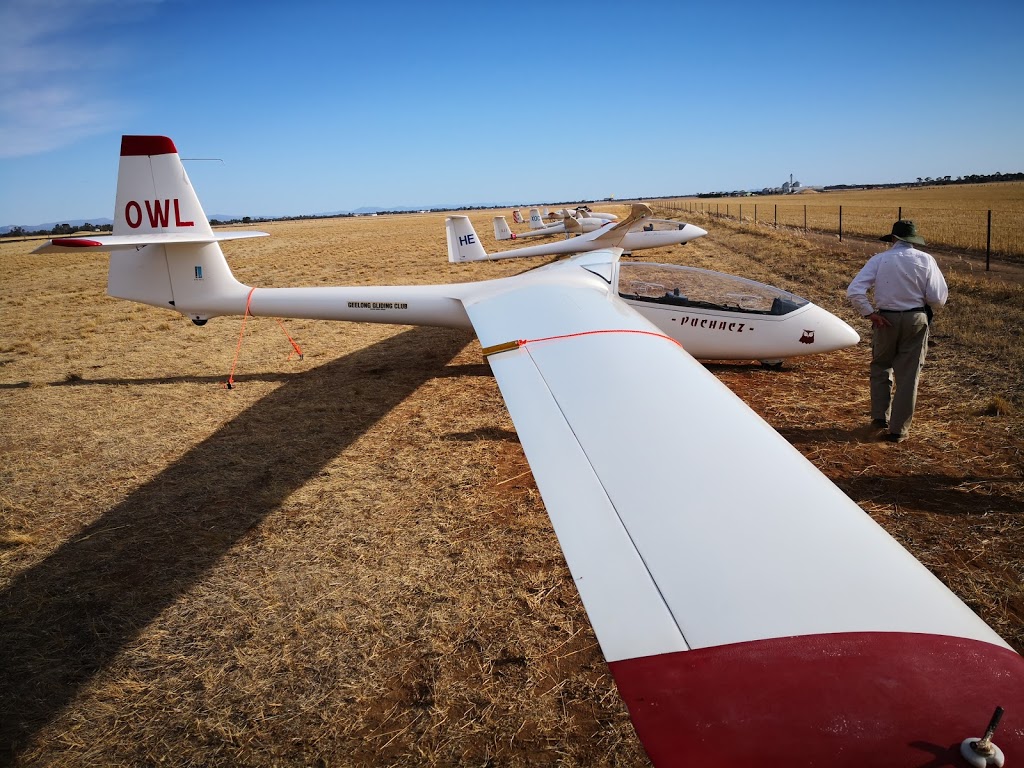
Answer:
(704, 510)
(725, 577)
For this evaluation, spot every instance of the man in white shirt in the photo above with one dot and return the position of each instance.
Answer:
(907, 284)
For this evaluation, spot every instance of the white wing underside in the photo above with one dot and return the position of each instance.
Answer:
(686, 520)
(103, 243)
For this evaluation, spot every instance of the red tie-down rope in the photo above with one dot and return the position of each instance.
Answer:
(241, 334)
(523, 342)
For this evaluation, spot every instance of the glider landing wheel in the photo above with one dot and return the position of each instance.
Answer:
(772, 365)
(981, 757)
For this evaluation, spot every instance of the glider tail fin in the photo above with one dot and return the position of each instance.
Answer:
(154, 195)
(501, 229)
(572, 225)
(536, 221)
(178, 263)
(463, 242)
(517, 216)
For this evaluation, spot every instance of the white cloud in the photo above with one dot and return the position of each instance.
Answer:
(56, 56)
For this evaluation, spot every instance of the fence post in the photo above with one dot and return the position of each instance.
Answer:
(805, 219)
(776, 215)
(988, 241)
(755, 213)
(741, 213)
(899, 214)
(840, 223)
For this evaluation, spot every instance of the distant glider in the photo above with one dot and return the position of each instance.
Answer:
(568, 226)
(555, 217)
(750, 613)
(637, 231)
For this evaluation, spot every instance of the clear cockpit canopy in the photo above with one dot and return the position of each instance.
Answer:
(657, 225)
(702, 289)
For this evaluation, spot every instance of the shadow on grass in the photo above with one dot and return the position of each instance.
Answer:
(65, 619)
(456, 371)
(745, 366)
(484, 433)
(937, 494)
(79, 381)
(805, 436)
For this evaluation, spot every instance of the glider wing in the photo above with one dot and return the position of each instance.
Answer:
(611, 236)
(103, 243)
(702, 542)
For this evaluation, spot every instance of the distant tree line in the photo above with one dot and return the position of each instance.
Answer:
(61, 230)
(928, 181)
(974, 178)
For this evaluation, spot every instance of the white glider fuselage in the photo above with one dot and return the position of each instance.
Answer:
(725, 335)
(716, 332)
(707, 333)
(718, 316)
(464, 243)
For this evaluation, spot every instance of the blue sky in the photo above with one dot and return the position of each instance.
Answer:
(326, 106)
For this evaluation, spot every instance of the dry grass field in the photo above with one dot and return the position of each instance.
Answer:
(344, 559)
(954, 216)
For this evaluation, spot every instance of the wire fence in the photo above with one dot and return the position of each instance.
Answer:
(991, 233)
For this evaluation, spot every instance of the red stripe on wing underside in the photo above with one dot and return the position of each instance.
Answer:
(75, 242)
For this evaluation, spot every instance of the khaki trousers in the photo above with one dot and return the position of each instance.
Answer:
(897, 353)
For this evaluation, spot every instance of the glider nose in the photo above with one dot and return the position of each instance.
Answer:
(691, 232)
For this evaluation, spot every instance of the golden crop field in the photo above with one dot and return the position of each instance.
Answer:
(344, 560)
(952, 216)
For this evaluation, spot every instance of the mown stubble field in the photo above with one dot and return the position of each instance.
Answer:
(956, 215)
(344, 560)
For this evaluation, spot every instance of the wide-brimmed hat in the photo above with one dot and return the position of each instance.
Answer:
(904, 230)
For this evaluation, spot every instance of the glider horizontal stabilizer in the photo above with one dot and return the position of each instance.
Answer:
(104, 243)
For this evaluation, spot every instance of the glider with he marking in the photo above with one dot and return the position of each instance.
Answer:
(750, 613)
(637, 231)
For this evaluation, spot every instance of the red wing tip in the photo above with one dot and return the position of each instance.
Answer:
(844, 699)
(75, 242)
(147, 145)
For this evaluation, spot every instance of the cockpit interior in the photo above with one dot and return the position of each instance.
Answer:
(702, 289)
